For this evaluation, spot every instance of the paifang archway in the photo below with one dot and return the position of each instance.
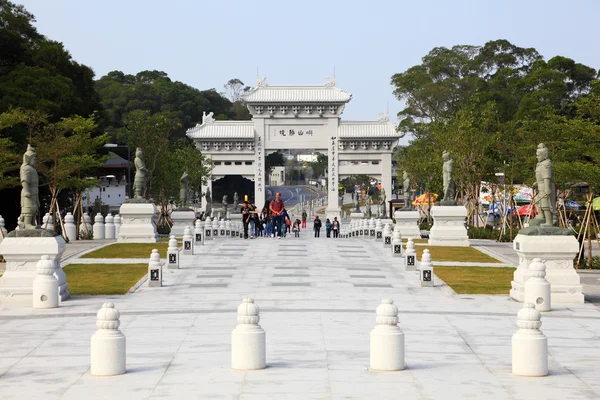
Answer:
(297, 117)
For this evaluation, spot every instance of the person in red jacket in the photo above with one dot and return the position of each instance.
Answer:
(276, 207)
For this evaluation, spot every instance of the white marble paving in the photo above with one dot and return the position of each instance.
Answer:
(178, 336)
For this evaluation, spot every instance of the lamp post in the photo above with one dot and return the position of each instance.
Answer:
(114, 145)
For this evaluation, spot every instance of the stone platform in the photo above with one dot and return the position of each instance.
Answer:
(138, 223)
(317, 299)
(448, 226)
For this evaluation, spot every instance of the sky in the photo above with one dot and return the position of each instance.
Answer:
(204, 44)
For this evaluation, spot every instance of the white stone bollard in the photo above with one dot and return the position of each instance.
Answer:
(154, 270)
(362, 228)
(378, 230)
(207, 229)
(70, 228)
(410, 258)
(2, 226)
(109, 227)
(222, 229)
(199, 232)
(529, 344)
(227, 228)
(426, 268)
(248, 346)
(98, 227)
(396, 243)
(372, 229)
(537, 289)
(117, 222)
(215, 228)
(108, 343)
(188, 241)
(45, 285)
(387, 236)
(173, 253)
(387, 339)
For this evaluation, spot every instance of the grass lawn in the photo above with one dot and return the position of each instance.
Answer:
(128, 250)
(92, 279)
(449, 253)
(416, 240)
(476, 280)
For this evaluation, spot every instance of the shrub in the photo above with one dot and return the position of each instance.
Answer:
(163, 229)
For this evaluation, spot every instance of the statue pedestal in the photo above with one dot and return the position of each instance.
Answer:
(333, 213)
(236, 216)
(22, 255)
(357, 215)
(448, 226)
(137, 223)
(558, 253)
(408, 223)
(181, 219)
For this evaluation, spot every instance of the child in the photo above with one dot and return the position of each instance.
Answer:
(296, 229)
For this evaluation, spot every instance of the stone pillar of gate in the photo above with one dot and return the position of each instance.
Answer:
(386, 177)
(333, 210)
(259, 164)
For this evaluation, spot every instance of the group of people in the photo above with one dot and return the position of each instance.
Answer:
(274, 221)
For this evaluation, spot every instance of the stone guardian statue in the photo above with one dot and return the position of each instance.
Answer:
(382, 209)
(141, 174)
(369, 204)
(236, 203)
(208, 198)
(406, 191)
(30, 202)
(449, 188)
(183, 191)
(225, 205)
(546, 192)
(357, 201)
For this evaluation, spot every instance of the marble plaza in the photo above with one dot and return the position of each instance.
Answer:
(317, 300)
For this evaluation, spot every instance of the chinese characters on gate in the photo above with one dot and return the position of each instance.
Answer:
(259, 164)
(333, 164)
(293, 132)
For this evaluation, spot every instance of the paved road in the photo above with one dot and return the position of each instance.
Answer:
(291, 197)
(317, 299)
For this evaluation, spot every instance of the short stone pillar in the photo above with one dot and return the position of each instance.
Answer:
(154, 270)
(426, 268)
(227, 228)
(70, 228)
(387, 339)
(88, 221)
(248, 346)
(396, 244)
(537, 288)
(529, 344)
(208, 229)
(199, 232)
(410, 258)
(387, 236)
(98, 227)
(362, 227)
(108, 343)
(215, 228)
(173, 253)
(109, 227)
(378, 231)
(222, 229)
(117, 222)
(372, 229)
(188, 241)
(45, 285)
(2, 228)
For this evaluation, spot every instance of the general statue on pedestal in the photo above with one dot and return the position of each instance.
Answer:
(183, 191)
(141, 175)
(30, 202)
(449, 187)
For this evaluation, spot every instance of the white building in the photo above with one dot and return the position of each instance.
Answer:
(277, 177)
(297, 117)
(110, 191)
(307, 157)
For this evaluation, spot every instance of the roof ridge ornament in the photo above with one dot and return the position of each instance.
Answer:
(330, 82)
(262, 82)
(384, 117)
(207, 118)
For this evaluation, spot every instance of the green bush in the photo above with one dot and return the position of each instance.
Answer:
(583, 263)
(163, 230)
(477, 232)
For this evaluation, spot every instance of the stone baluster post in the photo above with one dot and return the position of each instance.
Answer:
(248, 343)
(537, 289)
(70, 228)
(98, 227)
(45, 285)
(529, 344)
(108, 343)
(387, 339)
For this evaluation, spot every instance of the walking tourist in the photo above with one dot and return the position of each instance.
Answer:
(296, 228)
(317, 226)
(266, 217)
(246, 215)
(304, 216)
(328, 228)
(335, 226)
(276, 207)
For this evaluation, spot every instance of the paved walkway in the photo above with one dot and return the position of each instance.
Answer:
(317, 300)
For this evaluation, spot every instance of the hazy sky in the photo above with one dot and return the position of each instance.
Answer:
(204, 44)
